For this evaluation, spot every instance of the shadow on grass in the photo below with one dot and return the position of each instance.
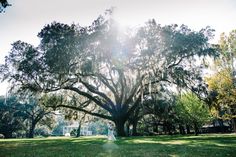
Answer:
(168, 146)
(214, 138)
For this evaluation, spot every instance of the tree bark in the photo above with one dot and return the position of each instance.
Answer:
(196, 129)
(188, 129)
(31, 131)
(155, 127)
(164, 128)
(234, 124)
(127, 130)
(181, 130)
(221, 123)
(78, 130)
(134, 132)
(120, 127)
(169, 129)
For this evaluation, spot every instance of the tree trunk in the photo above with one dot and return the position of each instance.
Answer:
(78, 130)
(135, 129)
(127, 129)
(164, 128)
(120, 127)
(221, 123)
(155, 128)
(234, 124)
(31, 131)
(196, 129)
(169, 129)
(181, 130)
(188, 129)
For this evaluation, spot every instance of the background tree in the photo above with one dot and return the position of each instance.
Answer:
(223, 104)
(109, 67)
(12, 119)
(157, 112)
(192, 111)
(23, 115)
(222, 84)
(36, 113)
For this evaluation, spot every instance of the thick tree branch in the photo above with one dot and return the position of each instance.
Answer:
(179, 61)
(87, 112)
(134, 91)
(122, 82)
(135, 105)
(87, 95)
(105, 81)
(95, 91)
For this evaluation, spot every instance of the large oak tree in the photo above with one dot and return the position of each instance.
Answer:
(111, 68)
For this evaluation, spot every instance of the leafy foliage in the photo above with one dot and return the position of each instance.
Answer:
(192, 111)
(12, 119)
(222, 85)
(224, 100)
(22, 115)
(108, 67)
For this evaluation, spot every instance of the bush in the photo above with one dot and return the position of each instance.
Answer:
(42, 131)
(2, 136)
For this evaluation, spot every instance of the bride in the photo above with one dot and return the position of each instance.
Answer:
(110, 135)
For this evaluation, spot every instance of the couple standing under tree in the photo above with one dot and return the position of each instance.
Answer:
(110, 134)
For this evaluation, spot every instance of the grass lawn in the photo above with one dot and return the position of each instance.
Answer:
(170, 146)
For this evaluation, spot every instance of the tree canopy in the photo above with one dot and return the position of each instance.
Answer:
(108, 67)
(222, 84)
(12, 118)
(20, 116)
(192, 111)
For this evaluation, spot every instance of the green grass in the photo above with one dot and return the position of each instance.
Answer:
(166, 146)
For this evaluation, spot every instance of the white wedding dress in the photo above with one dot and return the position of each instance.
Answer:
(110, 135)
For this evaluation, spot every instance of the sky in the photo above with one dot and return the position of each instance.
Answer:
(25, 18)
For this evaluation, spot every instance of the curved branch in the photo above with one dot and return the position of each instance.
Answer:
(135, 105)
(95, 91)
(104, 80)
(86, 111)
(179, 61)
(98, 102)
(122, 82)
(134, 90)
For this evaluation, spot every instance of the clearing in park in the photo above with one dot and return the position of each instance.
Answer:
(221, 145)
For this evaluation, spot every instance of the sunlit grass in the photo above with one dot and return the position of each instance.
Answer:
(169, 146)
